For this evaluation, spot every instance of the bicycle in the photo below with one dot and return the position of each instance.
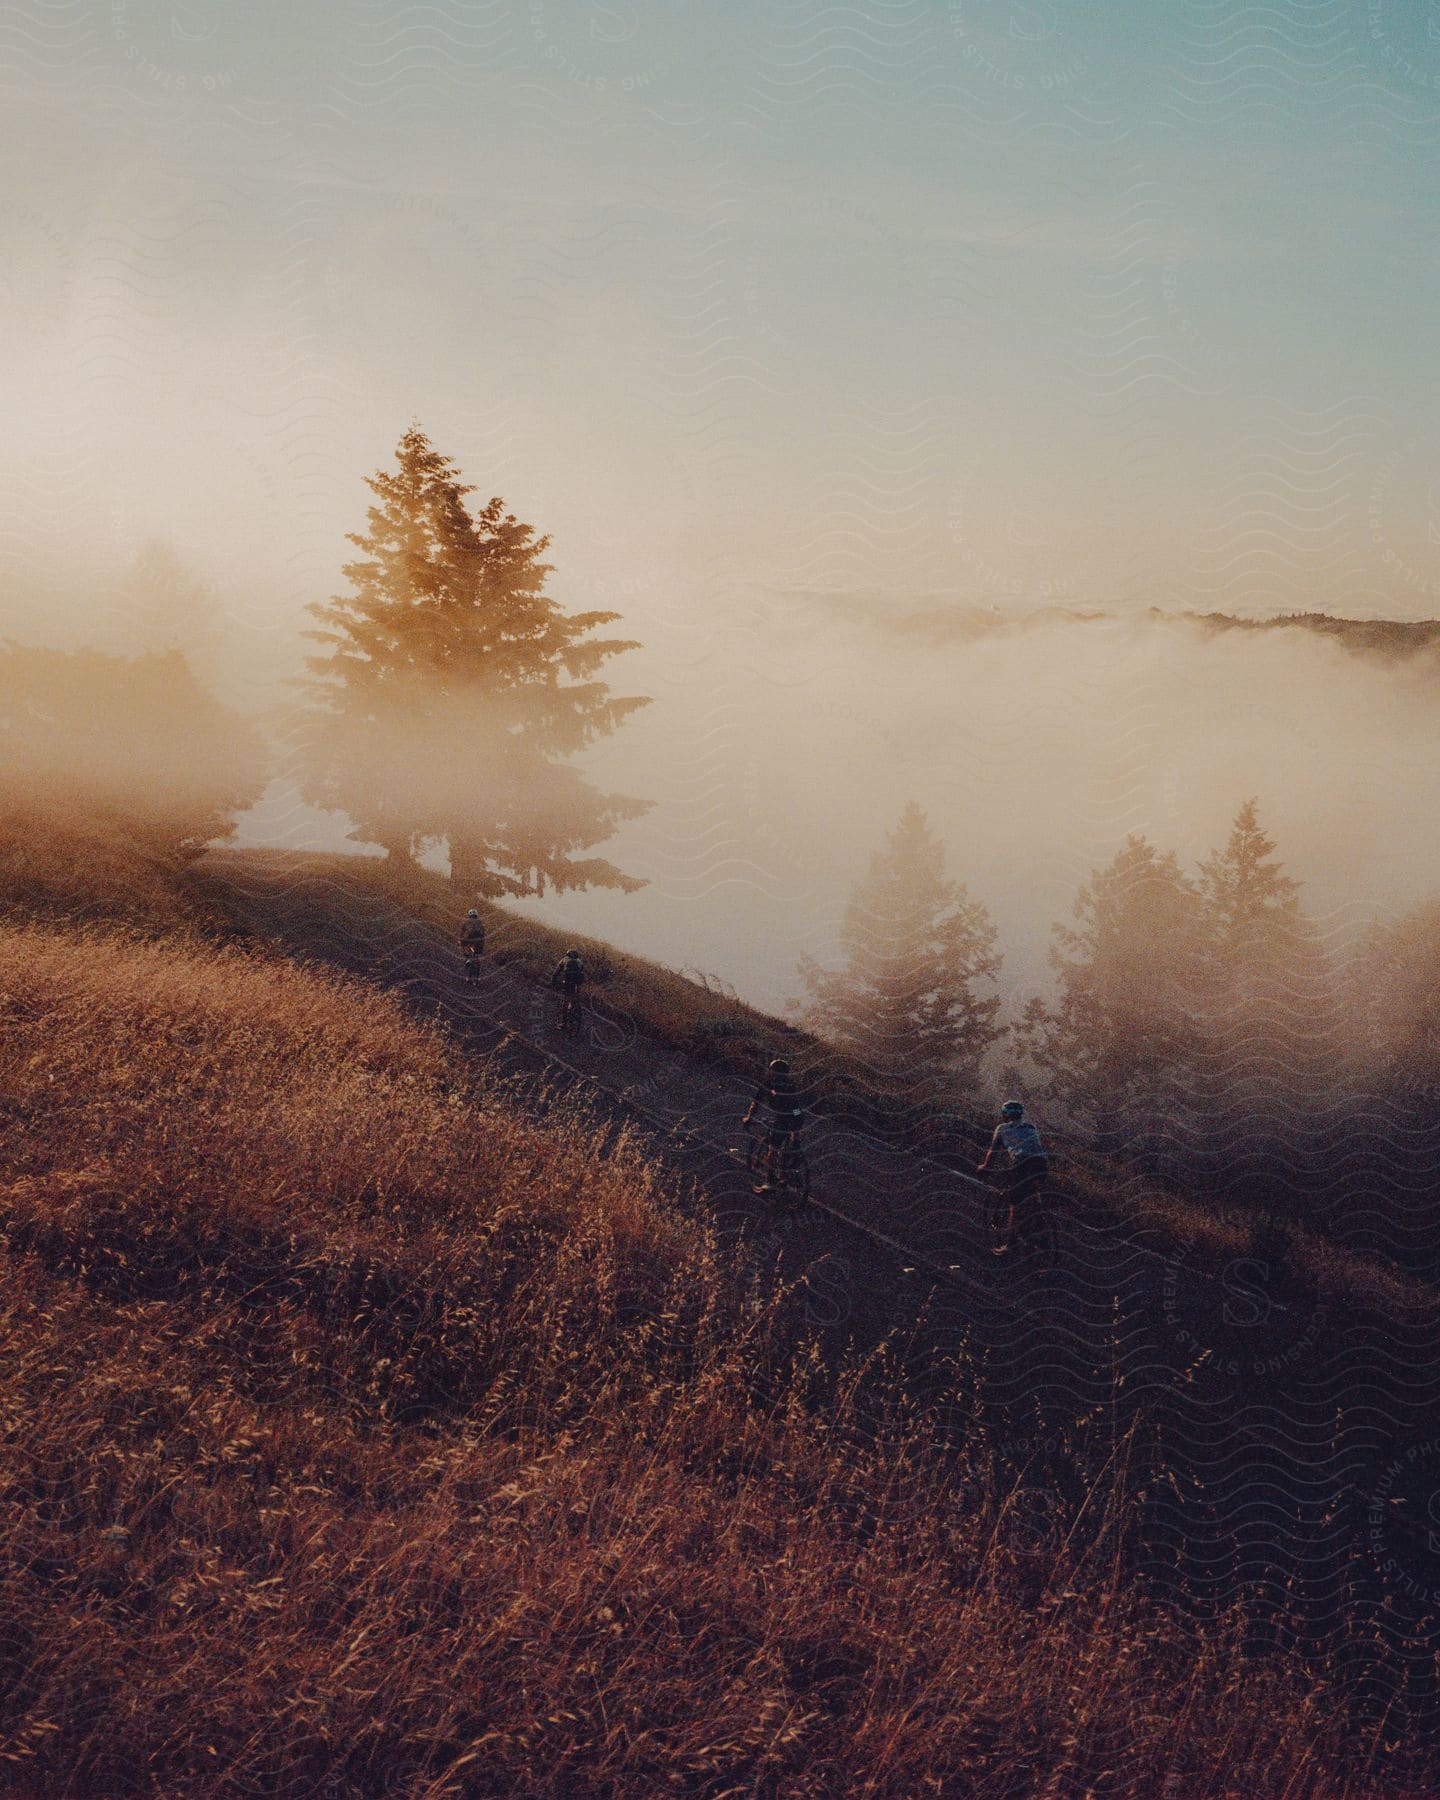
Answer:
(570, 1020)
(1020, 1216)
(781, 1167)
(471, 953)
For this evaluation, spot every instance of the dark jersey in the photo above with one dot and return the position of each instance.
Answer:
(473, 932)
(568, 976)
(780, 1095)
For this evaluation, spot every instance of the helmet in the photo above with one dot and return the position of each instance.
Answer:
(1012, 1109)
(779, 1066)
(572, 956)
(474, 913)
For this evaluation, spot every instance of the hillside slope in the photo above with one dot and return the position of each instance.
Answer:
(361, 1436)
(1281, 1399)
(683, 1062)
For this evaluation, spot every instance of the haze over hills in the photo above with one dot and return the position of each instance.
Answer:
(1390, 639)
(947, 622)
(791, 726)
(929, 508)
(784, 746)
(786, 737)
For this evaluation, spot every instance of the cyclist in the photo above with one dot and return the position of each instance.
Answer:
(567, 980)
(1026, 1165)
(781, 1098)
(472, 943)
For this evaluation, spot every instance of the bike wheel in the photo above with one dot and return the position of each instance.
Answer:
(999, 1223)
(1036, 1234)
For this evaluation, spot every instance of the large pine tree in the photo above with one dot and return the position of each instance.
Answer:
(1253, 905)
(917, 948)
(454, 691)
(1271, 1019)
(1117, 1046)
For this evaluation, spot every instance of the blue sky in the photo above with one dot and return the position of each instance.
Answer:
(781, 319)
(993, 303)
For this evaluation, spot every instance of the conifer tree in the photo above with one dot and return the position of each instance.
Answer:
(1252, 904)
(454, 691)
(1270, 1003)
(917, 950)
(1393, 990)
(161, 605)
(1118, 1044)
(137, 740)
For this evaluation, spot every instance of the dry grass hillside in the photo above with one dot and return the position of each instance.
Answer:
(85, 867)
(694, 1015)
(361, 1437)
(687, 1009)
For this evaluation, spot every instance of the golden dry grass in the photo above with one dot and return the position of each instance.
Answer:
(358, 1437)
(687, 1010)
(64, 862)
(695, 1016)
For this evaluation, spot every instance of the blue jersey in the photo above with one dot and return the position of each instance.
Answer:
(1018, 1139)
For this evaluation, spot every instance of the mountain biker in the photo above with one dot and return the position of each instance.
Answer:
(567, 980)
(1026, 1165)
(778, 1094)
(472, 932)
(569, 975)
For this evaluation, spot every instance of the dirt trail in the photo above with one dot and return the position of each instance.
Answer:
(1274, 1415)
(922, 1223)
(1112, 1304)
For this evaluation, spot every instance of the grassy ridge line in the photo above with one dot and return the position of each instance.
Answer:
(90, 869)
(87, 868)
(709, 1025)
(682, 1010)
(358, 1434)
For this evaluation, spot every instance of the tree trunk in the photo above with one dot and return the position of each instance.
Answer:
(468, 868)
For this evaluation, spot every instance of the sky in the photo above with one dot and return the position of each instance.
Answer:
(753, 307)
(1118, 303)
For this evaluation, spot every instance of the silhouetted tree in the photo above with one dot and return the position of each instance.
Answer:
(161, 605)
(1252, 904)
(1271, 1029)
(1271, 996)
(454, 692)
(1393, 987)
(917, 948)
(133, 739)
(1117, 1046)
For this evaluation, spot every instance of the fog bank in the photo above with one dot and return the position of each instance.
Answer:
(785, 739)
